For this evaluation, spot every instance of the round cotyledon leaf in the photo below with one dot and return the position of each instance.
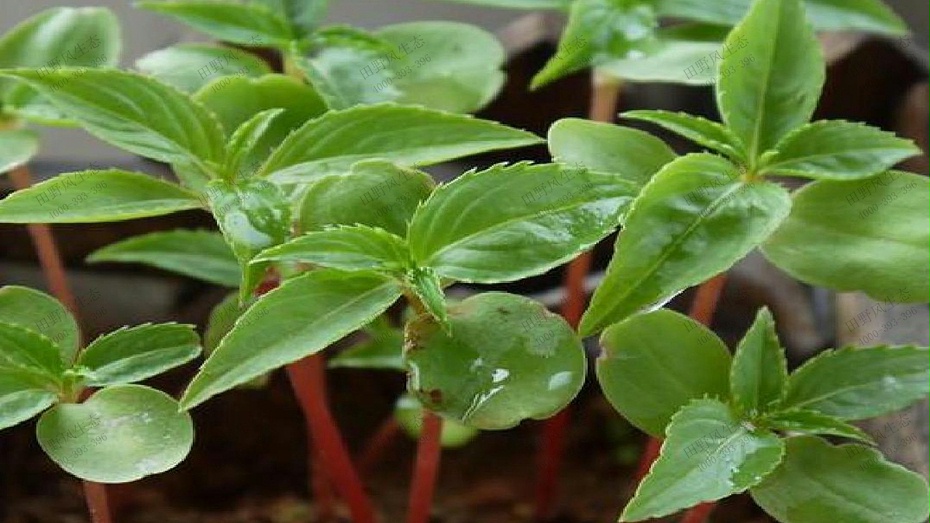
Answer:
(120, 434)
(507, 359)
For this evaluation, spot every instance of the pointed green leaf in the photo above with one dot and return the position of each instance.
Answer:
(301, 317)
(16, 148)
(763, 99)
(813, 422)
(507, 359)
(696, 218)
(374, 193)
(838, 150)
(121, 434)
(405, 135)
(221, 320)
(21, 348)
(95, 196)
(244, 24)
(821, 483)
(382, 350)
(43, 314)
(191, 66)
(133, 112)
(610, 149)
(136, 353)
(653, 364)
(409, 415)
(860, 382)
(701, 131)
(203, 255)
(870, 235)
(552, 213)
(245, 143)
(708, 454)
(22, 396)
(760, 372)
(349, 247)
(428, 287)
(303, 16)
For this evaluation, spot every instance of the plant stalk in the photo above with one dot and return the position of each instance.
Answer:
(378, 445)
(605, 92)
(97, 502)
(425, 469)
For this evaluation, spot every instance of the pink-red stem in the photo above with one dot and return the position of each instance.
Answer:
(425, 469)
(378, 445)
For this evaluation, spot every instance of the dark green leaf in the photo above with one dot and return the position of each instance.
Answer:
(760, 372)
(427, 286)
(813, 422)
(246, 143)
(245, 24)
(303, 16)
(349, 247)
(21, 348)
(22, 396)
(192, 66)
(17, 147)
(43, 314)
(706, 133)
(382, 350)
(133, 354)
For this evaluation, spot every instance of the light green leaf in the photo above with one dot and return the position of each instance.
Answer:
(133, 354)
(552, 213)
(760, 372)
(191, 66)
(382, 350)
(133, 112)
(405, 135)
(763, 99)
(21, 348)
(22, 396)
(121, 434)
(653, 364)
(695, 219)
(813, 422)
(303, 16)
(860, 382)
(17, 147)
(597, 30)
(838, 150)
(245, 143)
(409, 415)
(95, 196)
(609, 149)
(348, 247)
(301, 317)
(244, 24)
(43, 314)
(374, 193)
(821, 483)
(701, 131)
(507, 359)
(203, 255)
(708, 454)
(427, 286)
(870, 235)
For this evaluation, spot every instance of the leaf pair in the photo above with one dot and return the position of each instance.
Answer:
(123, 432)
(669, 375)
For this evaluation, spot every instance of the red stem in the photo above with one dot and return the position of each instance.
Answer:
(552, 442)
(425, 469)
(97, 503)
(322, 488)
(699, 513)
(378, 445)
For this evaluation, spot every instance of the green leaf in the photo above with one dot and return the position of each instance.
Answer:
(821, 483)
(869, 235)
(17, 147)
(552, 213)
(349, 247)
(427, 286)
(244, 24)
(838, 150)
(409, 415)
(709, 454)
(253, 216)
(695, 219)
(221, 320)
(763, 99)
(382, 350)
(301, 317)
(448, 66)
(134, 112)
(405, 135)
(95, 196)
(760, 372)
(21, 348)
(520, 4)
(374, 193)
(62, 36)
(609, 149)
(597, 29)
(245, 143)
(121, 434)
(653, 364)
(507, 359)
(22, 396)
(191, 66)
(813, 422)
(701, 131)
(43, 314)
(303, 16)
(133, 354)
(203, 255)
(860, 382)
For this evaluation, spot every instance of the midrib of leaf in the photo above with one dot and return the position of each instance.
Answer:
(846, 500)
(757, 128)
(841, 390)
